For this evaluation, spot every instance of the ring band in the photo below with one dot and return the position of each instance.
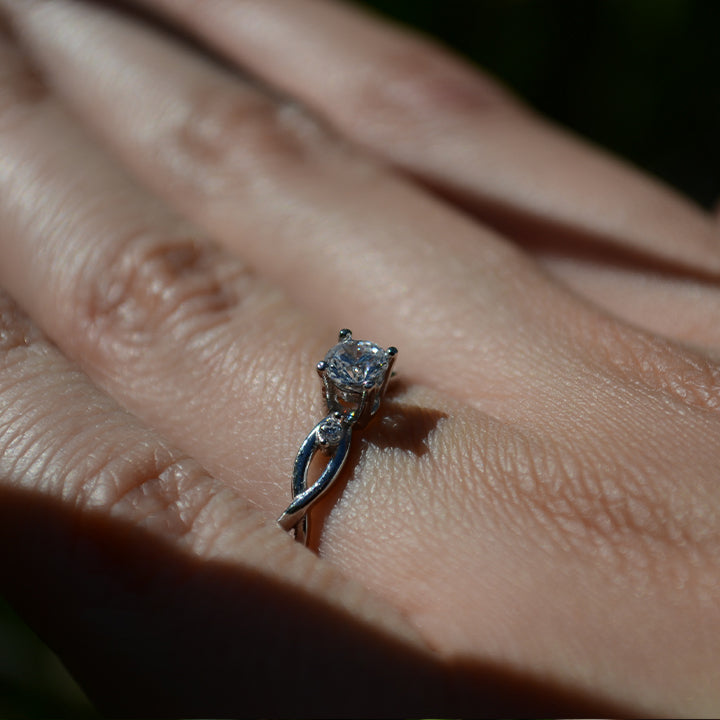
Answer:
(355, 374)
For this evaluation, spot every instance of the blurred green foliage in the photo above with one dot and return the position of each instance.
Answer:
(33, 682)
(636, 76)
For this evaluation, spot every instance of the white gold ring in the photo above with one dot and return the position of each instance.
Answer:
(355, 374)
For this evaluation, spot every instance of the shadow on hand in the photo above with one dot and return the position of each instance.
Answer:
(149, 630)
(547, 236)
(405, 427)
(401, 426)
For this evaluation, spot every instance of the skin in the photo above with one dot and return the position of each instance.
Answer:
(531, 525)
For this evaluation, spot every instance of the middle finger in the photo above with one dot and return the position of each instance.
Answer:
(341, 233)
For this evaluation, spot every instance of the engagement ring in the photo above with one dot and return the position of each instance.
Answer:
(355, 374)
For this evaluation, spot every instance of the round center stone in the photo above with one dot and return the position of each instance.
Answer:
(353, 363)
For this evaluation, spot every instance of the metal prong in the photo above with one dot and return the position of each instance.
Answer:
(392, 355)
(321, 367)
(344, 335)
(359, 413)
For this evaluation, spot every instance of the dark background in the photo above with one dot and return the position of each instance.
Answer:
(641, 77)
(637, 76)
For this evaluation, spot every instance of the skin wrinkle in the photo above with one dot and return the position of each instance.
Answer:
(154, 283)
(624, 572)
(633, 513)
(601, 507)
(82, 451)
(417, 79)
(450, 83)
(223, 135)
(251, 368)
(475, 452)
(573, 509)
(111, 477)
(170, 264)
(210, 528)
(63, 443)
(103, 486)
(13, 449)
(32, 412)
(524, 487)
(103, 478)
(157, 496)
(660, 364)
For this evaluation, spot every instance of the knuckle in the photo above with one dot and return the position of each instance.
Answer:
(227, 135)
(16, 329)
(418, 80)
(156, 284)
(168, 494)
(582, 496)
(22, 87)
(661, 365)
(153, 487)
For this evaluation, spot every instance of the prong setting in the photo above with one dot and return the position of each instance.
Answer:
(355, 375)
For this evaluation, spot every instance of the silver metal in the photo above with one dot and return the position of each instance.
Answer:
(350, 407)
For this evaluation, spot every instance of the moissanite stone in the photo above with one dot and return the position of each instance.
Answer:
(353, 363)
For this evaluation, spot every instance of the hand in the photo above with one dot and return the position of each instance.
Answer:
(533, 524)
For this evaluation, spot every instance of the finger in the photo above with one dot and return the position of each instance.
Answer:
(184, 157)
(453, 127)
(672, 304)
(369, 256)
(181, 332)
(64, 440)
(103, 523)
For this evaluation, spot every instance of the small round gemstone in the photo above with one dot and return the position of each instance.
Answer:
(330, 432)
(353, 363)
